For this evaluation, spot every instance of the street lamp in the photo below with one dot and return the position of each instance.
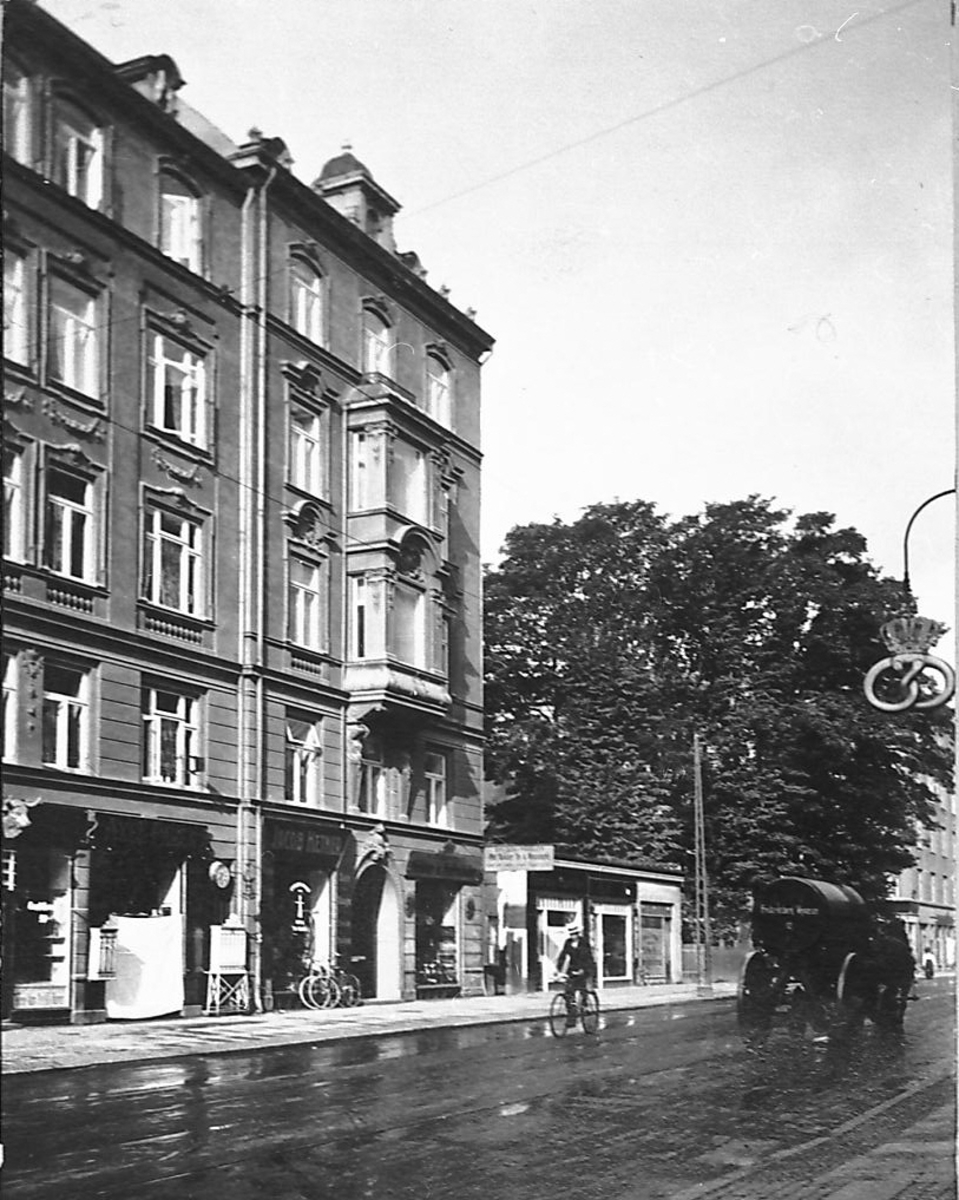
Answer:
(911, 677)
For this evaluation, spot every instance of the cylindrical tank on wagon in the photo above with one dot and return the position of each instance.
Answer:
(791, 914)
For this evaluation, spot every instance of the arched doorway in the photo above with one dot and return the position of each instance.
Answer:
(376, 934)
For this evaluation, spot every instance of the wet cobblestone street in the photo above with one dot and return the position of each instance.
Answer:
(664, 1105)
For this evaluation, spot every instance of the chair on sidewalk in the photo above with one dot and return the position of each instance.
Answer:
(228, 980)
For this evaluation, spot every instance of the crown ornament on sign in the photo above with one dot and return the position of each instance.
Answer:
(911, 635)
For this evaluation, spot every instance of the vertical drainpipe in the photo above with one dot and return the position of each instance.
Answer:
(252, 441)
(244, 551)
(346, 617)
(263, 293)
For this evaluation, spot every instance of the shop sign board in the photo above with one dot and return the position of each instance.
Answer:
(518, 858)
(297, 839)
(40, 995)
(110, 831)
(463, 867)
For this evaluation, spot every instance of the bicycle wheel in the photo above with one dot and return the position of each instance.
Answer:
(589, 1011)
(350, 993)
(305, 991)
(331, 992)
(559, 1015)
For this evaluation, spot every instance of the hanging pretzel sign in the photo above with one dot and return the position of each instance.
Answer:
(910, 677)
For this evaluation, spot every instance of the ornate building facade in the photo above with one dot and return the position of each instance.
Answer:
(242, 661)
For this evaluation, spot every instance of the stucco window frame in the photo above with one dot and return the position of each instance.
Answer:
(64, 101)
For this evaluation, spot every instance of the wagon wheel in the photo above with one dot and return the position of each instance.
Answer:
(756, 1000)
(855, 992)
(891, 1004)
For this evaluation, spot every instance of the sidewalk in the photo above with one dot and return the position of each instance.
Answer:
(56, 1047)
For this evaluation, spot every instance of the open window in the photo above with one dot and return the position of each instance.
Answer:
(78, 153)
(306, 300)
(181, 221)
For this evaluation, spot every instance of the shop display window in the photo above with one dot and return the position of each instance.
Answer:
(135, 880)
(42, 917)
(436, 944)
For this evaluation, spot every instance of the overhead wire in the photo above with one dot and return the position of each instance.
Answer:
(203, 462)
(645, 114)
(657, 109)
(112, 324)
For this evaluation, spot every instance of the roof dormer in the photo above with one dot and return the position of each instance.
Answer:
(347, 185)
(155, 76)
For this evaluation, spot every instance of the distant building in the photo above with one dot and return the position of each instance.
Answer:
(925, 894)
(242, 667)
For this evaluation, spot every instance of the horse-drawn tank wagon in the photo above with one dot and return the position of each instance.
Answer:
(823, 961)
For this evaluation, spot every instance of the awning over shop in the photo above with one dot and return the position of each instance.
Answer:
(34, 822)
(107, 831)
(457, 866)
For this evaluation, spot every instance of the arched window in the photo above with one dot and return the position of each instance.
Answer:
(377, 348)
(180, 225)
(306, 301)
(438, 389)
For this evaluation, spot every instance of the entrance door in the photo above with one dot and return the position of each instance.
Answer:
(615, 949)
(553, 915)
(376, 949)
(656, 926)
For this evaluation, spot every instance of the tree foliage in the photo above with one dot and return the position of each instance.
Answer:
(612, 640)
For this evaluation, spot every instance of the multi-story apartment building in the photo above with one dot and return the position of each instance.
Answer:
(925, 894)
(242, 674)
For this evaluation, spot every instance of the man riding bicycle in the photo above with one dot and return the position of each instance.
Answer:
(576, 959)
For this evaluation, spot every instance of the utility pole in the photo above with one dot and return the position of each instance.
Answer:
(704, 953)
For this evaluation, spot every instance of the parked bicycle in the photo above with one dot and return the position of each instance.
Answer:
(572, 1005)
(324, 986)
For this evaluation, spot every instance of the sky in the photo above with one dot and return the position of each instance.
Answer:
(712, 238)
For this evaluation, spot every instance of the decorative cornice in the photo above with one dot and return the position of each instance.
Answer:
(173, 495)
(180, 320)
(380, 304)
(191, 475)
(18, 399)
(60, 416)
(307, 526)
(74, 258)
(308, 379)
(73, 453)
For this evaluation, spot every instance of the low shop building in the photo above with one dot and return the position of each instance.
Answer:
(629, 910)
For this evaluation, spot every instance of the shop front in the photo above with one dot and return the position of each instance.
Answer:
(299, 907)
(601, 904)
(630, 915)
(151, 887)
(105, 915)
(40, 850)
(443, 905)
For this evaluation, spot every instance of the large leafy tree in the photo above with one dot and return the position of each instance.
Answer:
(612, 640)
